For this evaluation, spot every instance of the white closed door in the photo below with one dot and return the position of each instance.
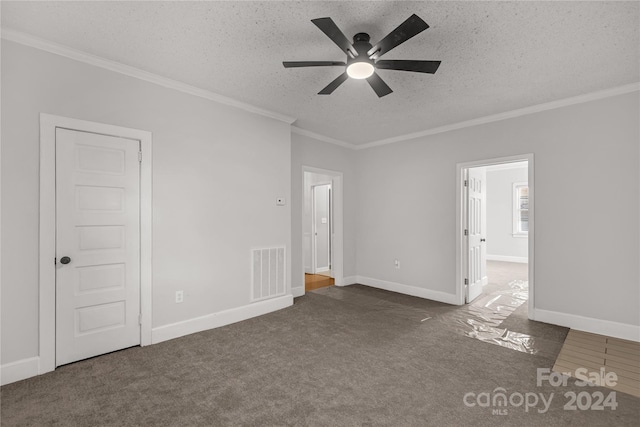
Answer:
(476, 230)
(97, 244)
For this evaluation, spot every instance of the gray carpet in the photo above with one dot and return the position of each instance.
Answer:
(352, 356)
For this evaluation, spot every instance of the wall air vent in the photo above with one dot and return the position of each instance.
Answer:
(268, 273)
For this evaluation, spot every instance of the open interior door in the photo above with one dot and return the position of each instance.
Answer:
(476, 232)
(322, 238)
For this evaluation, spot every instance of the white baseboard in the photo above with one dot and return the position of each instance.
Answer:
(589, 324)
(349, 280)
(19, 370)
(297, 292)
(408, 290)
(506, 258)
(222, 318)
(322, 270)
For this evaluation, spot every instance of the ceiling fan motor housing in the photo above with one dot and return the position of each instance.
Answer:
(361, 45)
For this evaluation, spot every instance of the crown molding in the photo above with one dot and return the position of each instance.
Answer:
(319, 137)
(87, 58)
(58, 49)
(620, 90)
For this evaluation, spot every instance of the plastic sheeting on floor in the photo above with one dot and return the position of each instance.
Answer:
(482, 317)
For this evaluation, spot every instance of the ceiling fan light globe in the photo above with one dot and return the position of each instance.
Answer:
(360, 70)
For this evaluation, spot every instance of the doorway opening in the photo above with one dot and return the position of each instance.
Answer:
(322, 228)
(495, 233)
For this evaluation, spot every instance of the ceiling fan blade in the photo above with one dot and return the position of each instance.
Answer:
(409, 28)
(294, 64)
(334, 84)
(407, 65)
(378, 85)
(333, 32)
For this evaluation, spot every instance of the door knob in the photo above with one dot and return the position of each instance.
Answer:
(65, 260)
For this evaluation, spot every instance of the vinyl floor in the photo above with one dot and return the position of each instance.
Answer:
(594, 356)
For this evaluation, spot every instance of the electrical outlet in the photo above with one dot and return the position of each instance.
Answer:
(397, 263)
(179, 296)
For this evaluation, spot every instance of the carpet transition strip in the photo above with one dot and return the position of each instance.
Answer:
(594, 355)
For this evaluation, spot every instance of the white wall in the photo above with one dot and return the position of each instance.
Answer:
(586, 260)
(501, 243)
(307, 151)
(217, 171)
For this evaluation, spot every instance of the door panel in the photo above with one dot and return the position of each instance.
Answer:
(476, 226)
(98, 228)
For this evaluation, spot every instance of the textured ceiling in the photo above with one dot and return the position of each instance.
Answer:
(496, 56)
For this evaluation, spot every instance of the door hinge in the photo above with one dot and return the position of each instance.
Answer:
(466, 183)
(140, 156)
(140, 319)
(55, 261)
(466, 232)
(466, 281)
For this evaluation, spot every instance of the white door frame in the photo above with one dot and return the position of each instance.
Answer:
(337, 240)
(460, 221)
(314, 231)
(47, 276)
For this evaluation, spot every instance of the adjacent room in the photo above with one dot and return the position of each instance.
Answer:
(318, 230)
(505, 239)
(318, 213)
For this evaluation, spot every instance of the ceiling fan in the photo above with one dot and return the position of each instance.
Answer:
(363, 58)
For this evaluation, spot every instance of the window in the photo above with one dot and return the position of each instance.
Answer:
(520, 209)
